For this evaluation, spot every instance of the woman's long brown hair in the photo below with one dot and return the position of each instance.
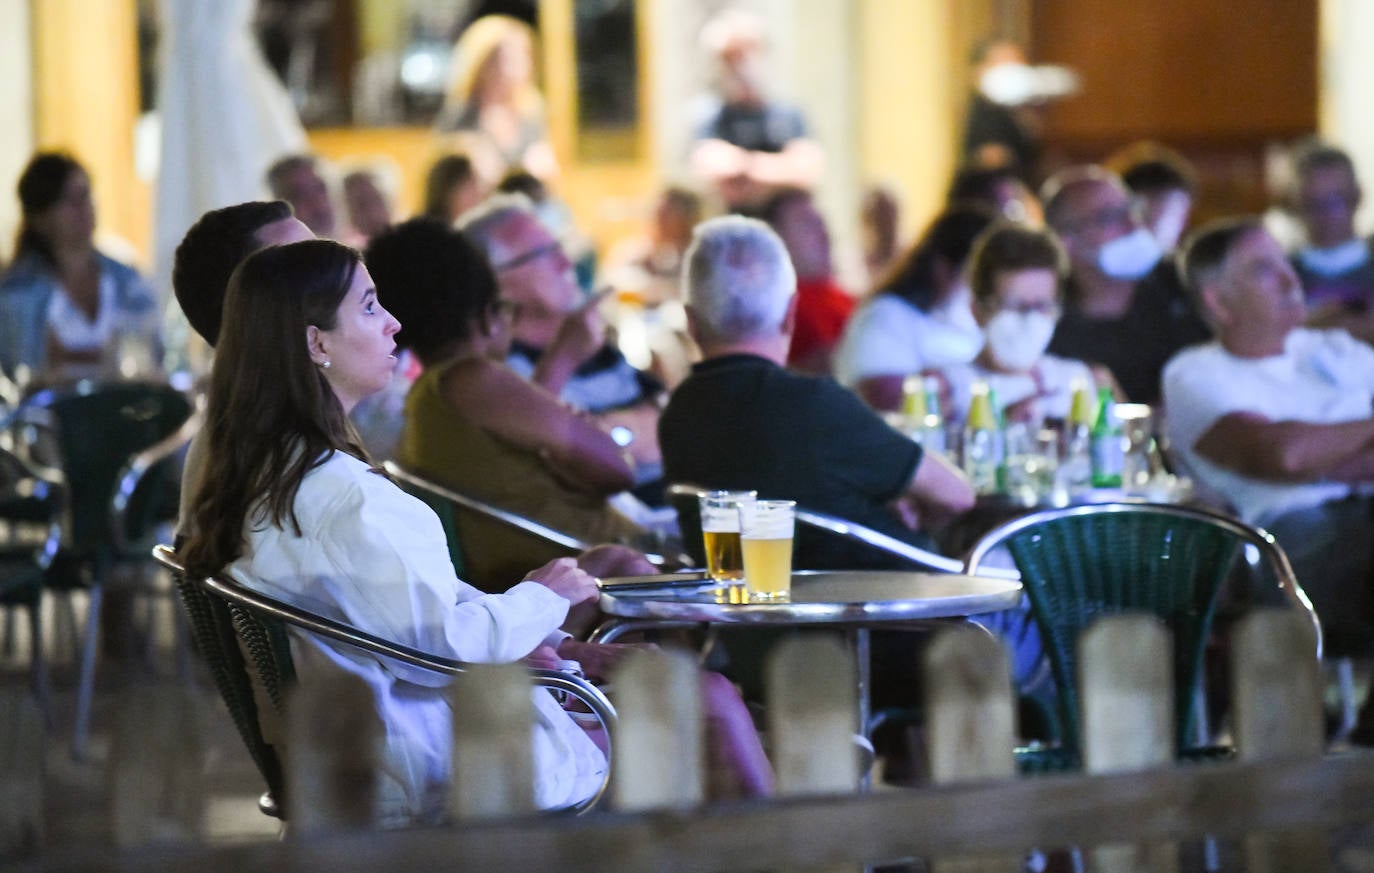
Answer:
(272, 416)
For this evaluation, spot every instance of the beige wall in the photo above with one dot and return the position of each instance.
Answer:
(16, 113)
(85, 59)
(1346, 69)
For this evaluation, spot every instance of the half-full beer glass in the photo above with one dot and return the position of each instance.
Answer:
(766, 540)
(720, 533)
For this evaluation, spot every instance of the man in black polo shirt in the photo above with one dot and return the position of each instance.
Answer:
(741, 421)
(1125, 308)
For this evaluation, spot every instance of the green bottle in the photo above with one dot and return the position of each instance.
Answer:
(1107, 451)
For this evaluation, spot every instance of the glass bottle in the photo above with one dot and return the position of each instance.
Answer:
(1075, 471)
(1108, 455)
(980, 442)
(913, 408)
(932, 422)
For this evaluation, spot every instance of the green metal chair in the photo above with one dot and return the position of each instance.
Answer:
(103, 433)
(232, 622)
(214, 639)
(1085, 562)
(28, 503)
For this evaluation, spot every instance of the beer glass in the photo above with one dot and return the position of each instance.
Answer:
(766, 540)
(720, 533)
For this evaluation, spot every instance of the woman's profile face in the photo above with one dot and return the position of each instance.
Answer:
(361, 347)
(71, 219)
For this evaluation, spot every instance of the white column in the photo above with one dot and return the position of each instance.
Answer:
(1346, 69)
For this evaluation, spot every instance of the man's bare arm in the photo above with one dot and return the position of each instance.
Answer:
(1286, 451)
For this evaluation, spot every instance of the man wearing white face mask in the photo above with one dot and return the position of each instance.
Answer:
(1015, 273)
(1335, 266)
(1125, 307)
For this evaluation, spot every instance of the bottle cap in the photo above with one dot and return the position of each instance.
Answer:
(913, 398)
(1084, 409)
(980, 415)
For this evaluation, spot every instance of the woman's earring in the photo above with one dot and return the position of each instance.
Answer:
(325, 365)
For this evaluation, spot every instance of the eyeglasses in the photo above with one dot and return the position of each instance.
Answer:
(1107, 217)
(524, 258)
(1053, 310)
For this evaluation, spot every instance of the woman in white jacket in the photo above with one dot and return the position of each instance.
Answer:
(290, 505)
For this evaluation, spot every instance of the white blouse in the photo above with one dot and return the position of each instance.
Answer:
(374, 557)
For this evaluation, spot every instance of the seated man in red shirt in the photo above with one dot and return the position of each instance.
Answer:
(823, 307)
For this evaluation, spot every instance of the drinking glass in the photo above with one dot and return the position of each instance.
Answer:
(1137, 424)
(1032, 461)
(766, 540)
(720, 533)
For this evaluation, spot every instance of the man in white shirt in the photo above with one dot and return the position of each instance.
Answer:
(1279, 419)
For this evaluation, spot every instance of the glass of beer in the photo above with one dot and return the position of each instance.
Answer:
(720, 533)
(766, 541)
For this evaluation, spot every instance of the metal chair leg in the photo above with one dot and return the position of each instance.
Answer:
(1345, 683)
(39, 664)
(8, 649)
(86, 686)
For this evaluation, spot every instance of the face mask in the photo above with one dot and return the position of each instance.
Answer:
(1016, 340)
(1335, 260)
(1170, 220)
(961, 340)
(1131, 256)
(1019, 84)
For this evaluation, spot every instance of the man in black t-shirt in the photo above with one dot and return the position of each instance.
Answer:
(748, 145)
(741, 421)
(1125, 308)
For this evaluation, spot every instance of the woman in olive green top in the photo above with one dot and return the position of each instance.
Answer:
(472, 422)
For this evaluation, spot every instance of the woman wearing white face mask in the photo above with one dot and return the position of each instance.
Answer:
(1016, 275)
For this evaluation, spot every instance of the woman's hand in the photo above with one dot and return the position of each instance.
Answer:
(563, 577)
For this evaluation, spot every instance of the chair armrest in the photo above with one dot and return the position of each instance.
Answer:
(554, 680)
(396, 472)
(133, 473)
(890, 544)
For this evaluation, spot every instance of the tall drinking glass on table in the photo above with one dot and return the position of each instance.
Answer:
(720, 521)
(766, 540)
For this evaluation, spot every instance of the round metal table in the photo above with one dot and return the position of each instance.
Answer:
(855, 600)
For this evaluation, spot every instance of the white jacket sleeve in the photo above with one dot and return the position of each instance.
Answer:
(376, 557)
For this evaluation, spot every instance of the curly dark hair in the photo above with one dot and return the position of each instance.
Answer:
(436, 282)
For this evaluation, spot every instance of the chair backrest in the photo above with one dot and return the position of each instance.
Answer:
(1085, 562)
(99, 427)
(216, 639)
(28, 501)
(491, 548)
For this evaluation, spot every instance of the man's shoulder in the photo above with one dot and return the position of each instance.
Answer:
(1203, 358)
